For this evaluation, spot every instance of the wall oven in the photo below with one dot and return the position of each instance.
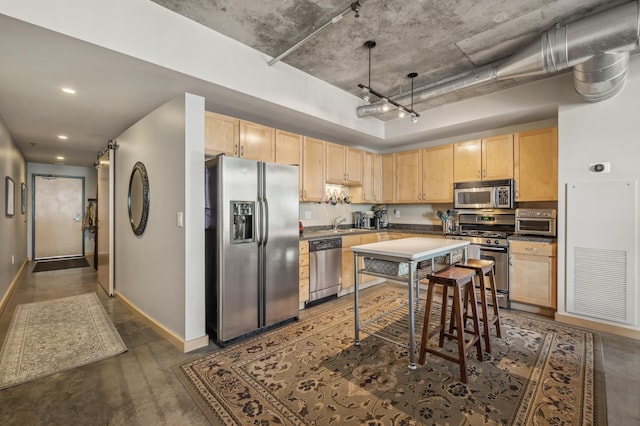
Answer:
(536, 222)
(486, 194)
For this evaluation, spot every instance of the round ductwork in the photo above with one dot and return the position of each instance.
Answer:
(602, 76)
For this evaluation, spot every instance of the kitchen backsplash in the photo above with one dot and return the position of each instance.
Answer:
(322, 214)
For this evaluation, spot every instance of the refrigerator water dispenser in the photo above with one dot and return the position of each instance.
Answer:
(242, 219)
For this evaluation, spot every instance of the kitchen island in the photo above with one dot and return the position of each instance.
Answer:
(398, 253)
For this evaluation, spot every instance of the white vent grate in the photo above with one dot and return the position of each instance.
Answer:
(602, 251)
(600, 283)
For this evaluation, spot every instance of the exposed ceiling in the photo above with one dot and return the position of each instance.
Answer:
(436, 39)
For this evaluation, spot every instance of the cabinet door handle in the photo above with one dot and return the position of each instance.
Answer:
(531, 249)
(478, 174)
(510, 260)
(484, 173)
(242, 151)
(235, 149)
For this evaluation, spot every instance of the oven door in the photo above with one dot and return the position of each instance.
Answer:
(500, 257)
(474, 198)
(534, 226)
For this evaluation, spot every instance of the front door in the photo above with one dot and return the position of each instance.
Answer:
(57, 224)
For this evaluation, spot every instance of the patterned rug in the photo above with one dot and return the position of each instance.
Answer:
(310, 373)
(45, 338)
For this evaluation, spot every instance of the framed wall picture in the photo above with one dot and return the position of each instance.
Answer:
(23, 198)
(9, 197)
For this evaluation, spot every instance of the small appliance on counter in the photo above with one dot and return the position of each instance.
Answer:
(536, 222)
(380, 217)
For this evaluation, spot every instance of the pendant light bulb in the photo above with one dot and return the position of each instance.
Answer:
(385, 105)
(414, 118)
(366, 95)
(401, 112)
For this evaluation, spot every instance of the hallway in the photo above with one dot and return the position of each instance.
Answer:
(139, 387)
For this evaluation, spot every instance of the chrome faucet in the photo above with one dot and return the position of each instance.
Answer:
(337, 221)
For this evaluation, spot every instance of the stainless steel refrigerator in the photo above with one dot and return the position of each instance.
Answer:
(251, 246)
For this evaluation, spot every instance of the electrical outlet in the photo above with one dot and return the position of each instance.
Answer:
(180, 220)
(307, 215)
(396, 213)
(13, 259)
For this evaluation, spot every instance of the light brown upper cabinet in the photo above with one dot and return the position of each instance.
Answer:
(312, 169)
(536, 165)
(257, 142)
(437, 174)
(343, 164)
(409, 177)
(377, 178)
(483, 159)
(371, 178)
(389, 178)
(289, 151)
(221, 134)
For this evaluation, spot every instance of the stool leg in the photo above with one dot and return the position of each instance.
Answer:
(494, 296)
(485, 318)
(457, 308)
(425, 326)
(443, 314)
(476, 323)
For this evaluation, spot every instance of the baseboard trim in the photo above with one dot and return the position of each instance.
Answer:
(177, 341)
(599, 326)
(12, 286)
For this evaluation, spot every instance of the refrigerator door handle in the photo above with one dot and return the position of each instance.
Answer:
(265, 218)
(260, 221)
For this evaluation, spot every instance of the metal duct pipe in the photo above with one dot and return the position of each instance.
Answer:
(602, 76)
(604, 36)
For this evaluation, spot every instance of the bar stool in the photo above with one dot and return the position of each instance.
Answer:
(482, 268)
(461, 281)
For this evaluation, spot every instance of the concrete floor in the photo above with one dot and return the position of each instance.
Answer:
(139, 387)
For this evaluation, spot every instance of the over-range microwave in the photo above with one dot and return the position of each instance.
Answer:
(536, 222)
(486, 194)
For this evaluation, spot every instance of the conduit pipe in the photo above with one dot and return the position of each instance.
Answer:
(597, 47)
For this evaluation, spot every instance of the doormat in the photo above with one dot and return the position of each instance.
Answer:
(310, 373)
(54, 265)
(48, 337)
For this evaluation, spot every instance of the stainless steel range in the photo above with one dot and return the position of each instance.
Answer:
(489, 229)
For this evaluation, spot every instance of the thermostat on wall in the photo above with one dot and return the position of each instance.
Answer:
(600, 168)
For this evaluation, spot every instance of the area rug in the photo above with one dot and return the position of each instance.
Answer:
(48, 337)
(310, 373)
(54, 265)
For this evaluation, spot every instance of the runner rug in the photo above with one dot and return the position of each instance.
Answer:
(45, 338)
(310, 373)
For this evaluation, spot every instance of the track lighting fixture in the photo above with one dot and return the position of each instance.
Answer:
(367, 91)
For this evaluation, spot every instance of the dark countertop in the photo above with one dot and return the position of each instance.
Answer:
(318, 232)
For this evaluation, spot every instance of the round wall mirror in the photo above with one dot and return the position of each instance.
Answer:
(138, 199)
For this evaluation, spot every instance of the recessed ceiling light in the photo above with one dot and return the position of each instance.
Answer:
(68, 90)
(59, 157)
(63, 137)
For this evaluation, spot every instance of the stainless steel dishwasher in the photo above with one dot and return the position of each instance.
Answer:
(325, 268)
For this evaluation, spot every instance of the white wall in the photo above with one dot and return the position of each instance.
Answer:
(592, 133)
(13, 229)
(161, 272)
(90, 190)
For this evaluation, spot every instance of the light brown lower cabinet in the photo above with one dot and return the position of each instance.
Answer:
(304, 271)
(532, 273)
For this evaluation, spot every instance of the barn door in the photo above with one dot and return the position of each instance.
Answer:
(58, 210)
